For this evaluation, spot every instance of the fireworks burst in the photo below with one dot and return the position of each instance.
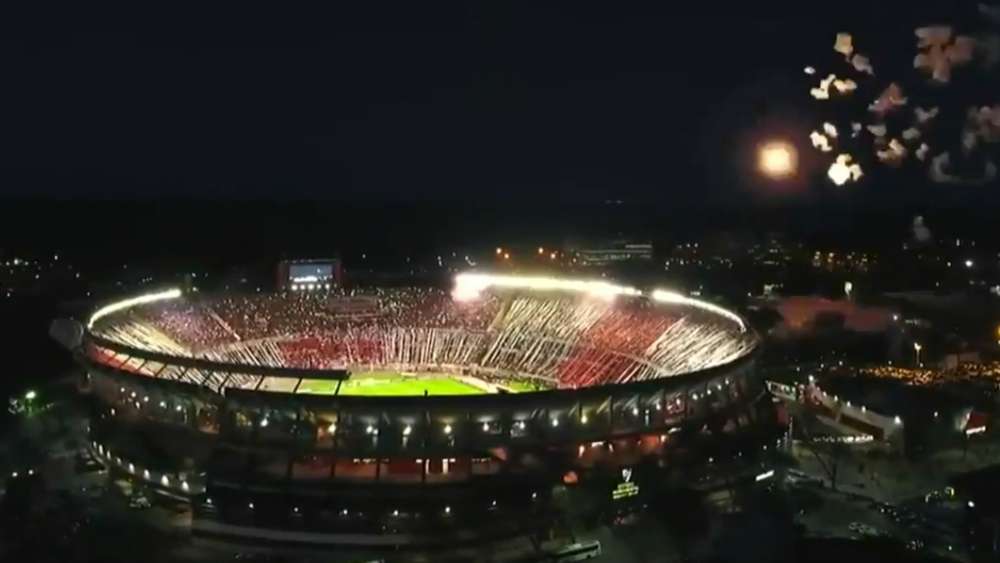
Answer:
(942, 56)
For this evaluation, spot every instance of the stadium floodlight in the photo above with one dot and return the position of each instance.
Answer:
(469, 285)
(665, 296)
(132, 302)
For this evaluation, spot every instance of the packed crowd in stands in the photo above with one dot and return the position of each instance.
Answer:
(568, 339)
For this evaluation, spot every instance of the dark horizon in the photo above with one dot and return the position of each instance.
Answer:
(469, 104)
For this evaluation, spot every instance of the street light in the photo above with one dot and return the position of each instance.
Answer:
(30, 395)
(916, 351)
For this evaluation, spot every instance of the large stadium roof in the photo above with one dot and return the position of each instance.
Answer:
(501, 325)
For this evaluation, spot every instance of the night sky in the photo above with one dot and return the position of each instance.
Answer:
(462, 103)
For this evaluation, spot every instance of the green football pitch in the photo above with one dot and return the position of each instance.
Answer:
(384, 383)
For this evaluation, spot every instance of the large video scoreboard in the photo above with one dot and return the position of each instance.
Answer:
(309, 275)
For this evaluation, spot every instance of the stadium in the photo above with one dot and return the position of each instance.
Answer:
(385, 417)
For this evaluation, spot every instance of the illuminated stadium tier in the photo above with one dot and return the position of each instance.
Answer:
(388, 410)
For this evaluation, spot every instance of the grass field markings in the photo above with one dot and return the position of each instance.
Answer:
(387, 383)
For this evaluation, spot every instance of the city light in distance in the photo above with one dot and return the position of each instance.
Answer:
(765, 475)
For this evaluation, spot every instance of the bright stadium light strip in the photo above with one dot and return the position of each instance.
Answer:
(132, 302)
(468, 286)
(664, 296)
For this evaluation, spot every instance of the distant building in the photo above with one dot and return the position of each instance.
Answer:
(911, 419)
(615, 252)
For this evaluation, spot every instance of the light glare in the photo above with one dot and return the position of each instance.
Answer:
(777, 159)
